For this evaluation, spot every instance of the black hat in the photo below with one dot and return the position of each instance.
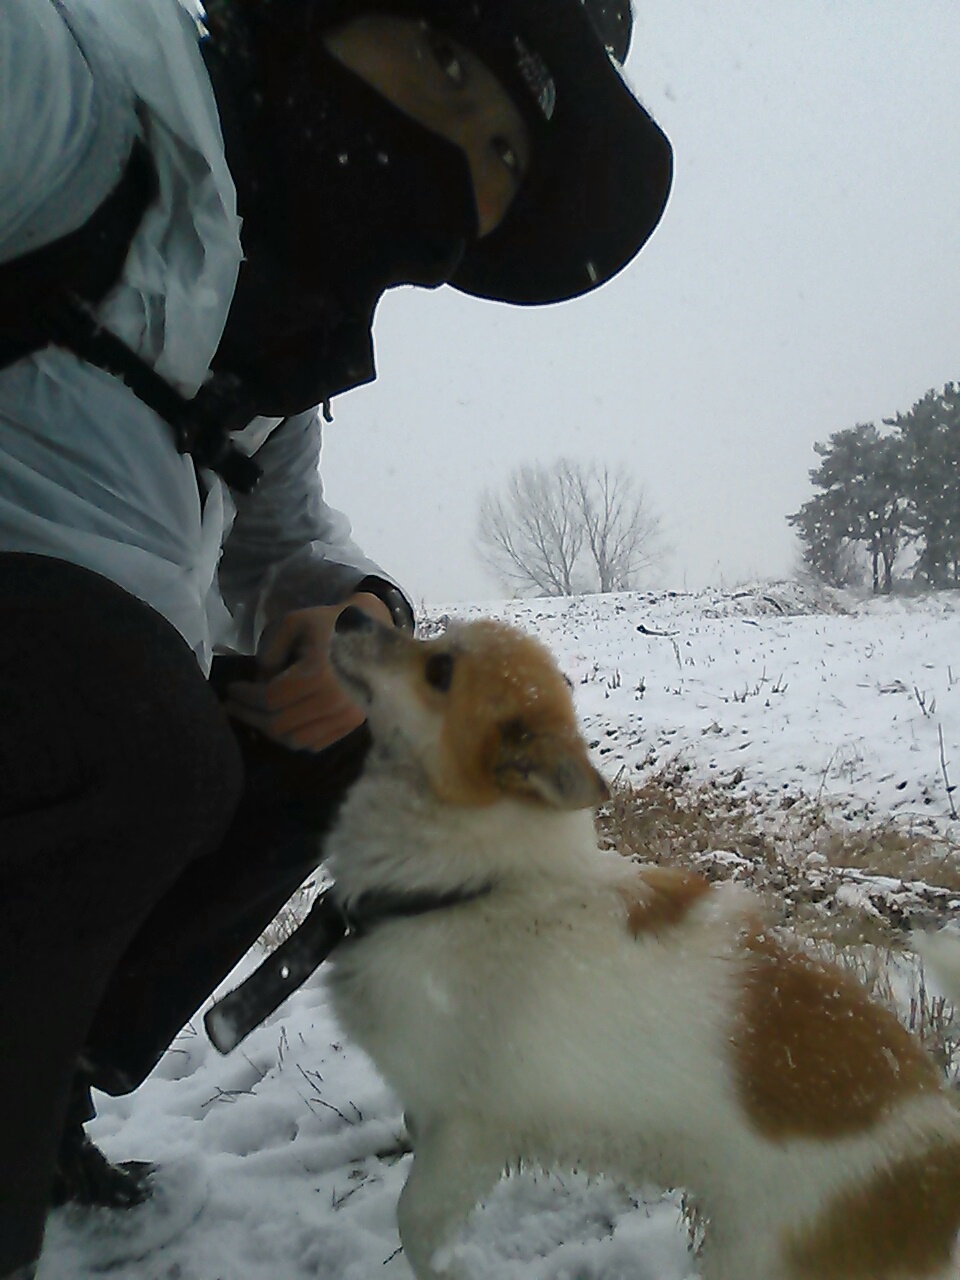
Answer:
(601, 169)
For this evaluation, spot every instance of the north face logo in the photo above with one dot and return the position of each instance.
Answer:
(539, 80)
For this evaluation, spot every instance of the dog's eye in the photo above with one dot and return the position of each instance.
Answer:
(515, 733)
(439, 671)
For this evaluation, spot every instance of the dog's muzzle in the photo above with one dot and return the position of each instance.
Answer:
(359, 644)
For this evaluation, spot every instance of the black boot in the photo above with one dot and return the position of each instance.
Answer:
(84, 1175)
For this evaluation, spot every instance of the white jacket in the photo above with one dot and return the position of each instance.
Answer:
(88, 473)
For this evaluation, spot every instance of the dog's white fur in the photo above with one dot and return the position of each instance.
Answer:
(580, 1014)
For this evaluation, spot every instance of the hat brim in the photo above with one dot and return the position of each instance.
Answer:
(599, 184)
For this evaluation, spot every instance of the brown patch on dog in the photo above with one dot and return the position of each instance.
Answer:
(814, 1057)
(509, 724)
(902, 1223)
(661, 898)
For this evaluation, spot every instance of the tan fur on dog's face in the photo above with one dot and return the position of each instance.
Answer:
(483, 709)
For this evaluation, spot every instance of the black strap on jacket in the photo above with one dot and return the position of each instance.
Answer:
(84, 264)
(49, 296)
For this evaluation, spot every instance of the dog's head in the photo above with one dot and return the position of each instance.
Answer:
(483, 711)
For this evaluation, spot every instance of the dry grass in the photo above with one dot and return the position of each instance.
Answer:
(797, 853)
(671, 817)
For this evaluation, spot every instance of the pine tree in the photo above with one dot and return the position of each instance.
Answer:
(828, 552)
(861, 500)
(930, 458)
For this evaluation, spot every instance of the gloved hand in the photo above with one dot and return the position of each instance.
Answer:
(298, 702)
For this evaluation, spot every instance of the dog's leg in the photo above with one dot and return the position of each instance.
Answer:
(452, 1169)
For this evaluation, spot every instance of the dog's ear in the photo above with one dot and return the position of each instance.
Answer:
(550, 765)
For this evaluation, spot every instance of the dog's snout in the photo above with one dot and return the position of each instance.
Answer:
(353, 619)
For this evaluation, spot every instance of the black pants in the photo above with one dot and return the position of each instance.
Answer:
(145, 843)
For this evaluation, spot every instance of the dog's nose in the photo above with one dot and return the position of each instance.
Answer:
(353, 619)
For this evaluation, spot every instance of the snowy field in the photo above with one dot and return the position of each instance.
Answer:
(284, 1160)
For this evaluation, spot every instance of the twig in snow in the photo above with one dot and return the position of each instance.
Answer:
(337, 1201)
(825, 774)
(323, 1102)
(943, 770)
(922, 700)
(665, 635)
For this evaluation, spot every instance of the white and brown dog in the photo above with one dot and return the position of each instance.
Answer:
(533, 999)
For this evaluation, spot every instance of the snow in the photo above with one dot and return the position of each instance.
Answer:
(284, 1160)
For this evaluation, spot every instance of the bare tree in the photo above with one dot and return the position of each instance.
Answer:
(530, 537)
(622, 535)
(569, 528)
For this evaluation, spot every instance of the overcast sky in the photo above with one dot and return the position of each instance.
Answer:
(805, 277)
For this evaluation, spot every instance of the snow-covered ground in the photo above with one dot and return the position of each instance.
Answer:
(283, 1161)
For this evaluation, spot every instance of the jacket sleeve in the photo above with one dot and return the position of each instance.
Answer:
(288, 549)
(68, 123)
